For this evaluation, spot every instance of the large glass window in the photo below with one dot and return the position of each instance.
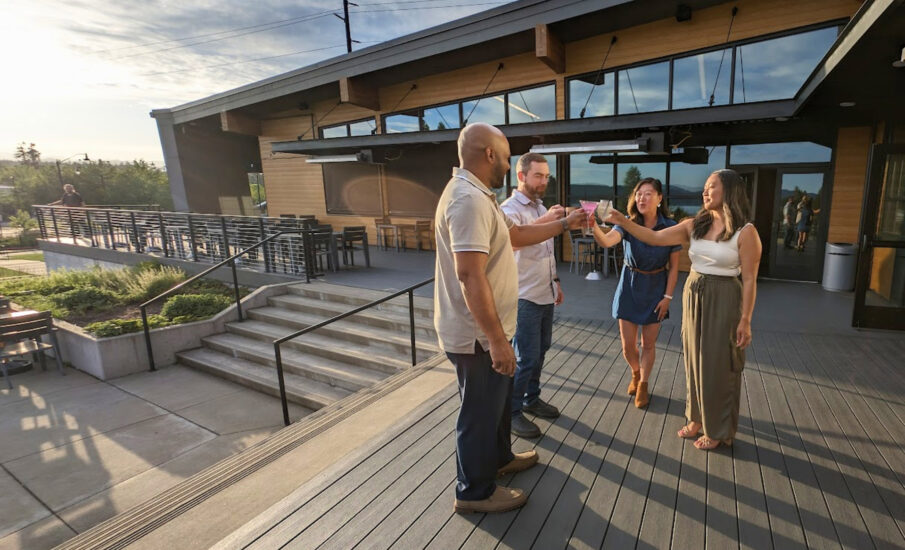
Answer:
(403, 122)
(597, 92)
(590, 182)
(533, 105)
(688, 179)
(698, 76)
(363, 128)
(779, 153)
(335, 132)
(628, 174)
(776, 69)
(491, 110)
(444, 117)
(643, 89)
(681, 208)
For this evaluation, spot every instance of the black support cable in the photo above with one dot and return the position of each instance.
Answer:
(741, 63)
(318, 122)
(597, 76)
(401, 99)
(487, 87)
(723, 56)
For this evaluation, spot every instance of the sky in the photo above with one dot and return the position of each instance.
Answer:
(81, 76)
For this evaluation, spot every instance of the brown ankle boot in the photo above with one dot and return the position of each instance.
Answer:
(641, 397)
(633, 385)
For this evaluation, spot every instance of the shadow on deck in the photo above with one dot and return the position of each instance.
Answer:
(818, 461)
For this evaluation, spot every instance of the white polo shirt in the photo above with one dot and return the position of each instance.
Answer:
(468, 219)
(536, 263)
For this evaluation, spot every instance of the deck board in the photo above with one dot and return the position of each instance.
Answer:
(819, 460)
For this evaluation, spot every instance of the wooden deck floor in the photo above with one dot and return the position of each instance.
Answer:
(819, 460)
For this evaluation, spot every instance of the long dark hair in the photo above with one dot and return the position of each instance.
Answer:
(632, 208)
(736, 210)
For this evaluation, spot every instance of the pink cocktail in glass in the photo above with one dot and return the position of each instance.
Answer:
(589, 207)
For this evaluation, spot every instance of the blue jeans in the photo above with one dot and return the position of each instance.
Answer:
(483, 443)
(533, 336)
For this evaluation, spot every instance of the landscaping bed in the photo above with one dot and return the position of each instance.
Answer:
(105, 301)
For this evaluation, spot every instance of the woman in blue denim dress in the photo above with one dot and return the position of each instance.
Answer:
(646, 284)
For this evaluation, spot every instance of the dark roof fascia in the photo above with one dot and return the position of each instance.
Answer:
(544, 130)
(863, 20)
(483, 26)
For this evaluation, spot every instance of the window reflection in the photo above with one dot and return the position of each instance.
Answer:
(602, 96)
(534, 105)
(629, 174)
(588, 181)
(643, 89)
(776, 153)
(776, 69)
(363, 128)
(441, 118)
(695, 78)
(405, 122)
(688, 179)
(487, 109)
(684, 207)
(336, 131)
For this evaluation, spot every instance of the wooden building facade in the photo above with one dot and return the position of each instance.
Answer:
(801, 97)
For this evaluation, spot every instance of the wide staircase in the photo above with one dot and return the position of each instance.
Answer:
(325, 365)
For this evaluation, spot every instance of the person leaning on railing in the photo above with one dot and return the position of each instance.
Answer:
(70, 197)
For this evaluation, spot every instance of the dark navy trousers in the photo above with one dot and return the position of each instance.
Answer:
(483, 442)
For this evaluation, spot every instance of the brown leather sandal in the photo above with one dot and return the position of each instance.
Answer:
(685, 433)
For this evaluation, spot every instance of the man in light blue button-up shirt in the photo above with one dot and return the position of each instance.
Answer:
(538, 291)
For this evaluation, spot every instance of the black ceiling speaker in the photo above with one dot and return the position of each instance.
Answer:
(683, 13)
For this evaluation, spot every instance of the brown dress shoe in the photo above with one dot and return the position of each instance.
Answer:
(641, 397)
(521, 462)
(633, 385)
(503, 499)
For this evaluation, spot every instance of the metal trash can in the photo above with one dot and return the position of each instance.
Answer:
(839, 265)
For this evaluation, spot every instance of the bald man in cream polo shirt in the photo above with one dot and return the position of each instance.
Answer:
(475, 307)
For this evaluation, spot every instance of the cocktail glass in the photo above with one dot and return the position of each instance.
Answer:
(589, 207)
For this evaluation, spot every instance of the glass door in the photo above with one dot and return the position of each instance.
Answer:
(880, 282)
(798, 231)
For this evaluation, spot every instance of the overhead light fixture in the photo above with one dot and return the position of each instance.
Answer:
(361, 156)
(847, 103)
(899, 63)
(592, 147)
(782, 119)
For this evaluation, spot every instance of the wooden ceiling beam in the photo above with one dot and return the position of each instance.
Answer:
(355, 92)
(239, 123)
(549, 49)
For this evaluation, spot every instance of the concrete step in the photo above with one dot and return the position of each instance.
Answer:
(424, 307)
(304, 391)
(334, 373)
(370, 354)
(396, 341)
(387, 319)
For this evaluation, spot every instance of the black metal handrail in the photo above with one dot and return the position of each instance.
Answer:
(306, 248)
(278, 342)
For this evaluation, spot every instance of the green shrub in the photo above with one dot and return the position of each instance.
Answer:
(192, 307)
(144, 283)
(115, 327)
(80, 300)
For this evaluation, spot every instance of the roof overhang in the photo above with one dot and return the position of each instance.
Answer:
(858, 69)
(523, 136)
(489, 35)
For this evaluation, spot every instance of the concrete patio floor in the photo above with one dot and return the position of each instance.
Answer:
(76, 450)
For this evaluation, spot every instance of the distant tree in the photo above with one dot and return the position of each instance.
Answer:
(632, 177)
(29, 156)
(23, 221)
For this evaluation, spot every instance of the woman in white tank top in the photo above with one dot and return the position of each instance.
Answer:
(717, 306)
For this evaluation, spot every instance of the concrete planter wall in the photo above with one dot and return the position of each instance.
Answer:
(116, 356)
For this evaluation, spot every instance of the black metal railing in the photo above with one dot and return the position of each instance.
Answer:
(203, 238)
(307, 248)
(277, 343)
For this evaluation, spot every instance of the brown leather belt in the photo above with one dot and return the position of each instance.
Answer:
(641, 271)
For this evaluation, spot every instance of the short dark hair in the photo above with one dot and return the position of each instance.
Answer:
(524, 161)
